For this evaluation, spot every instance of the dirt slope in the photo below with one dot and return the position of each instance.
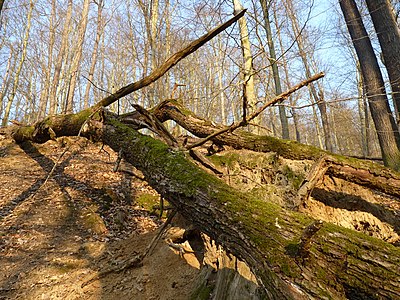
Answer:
(57, 232)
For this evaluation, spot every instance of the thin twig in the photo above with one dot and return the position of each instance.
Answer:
(97, 87)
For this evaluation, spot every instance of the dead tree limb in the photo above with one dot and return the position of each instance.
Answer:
(172, 61)
(156, 126)
(364, 173)
(333, 262)
(316, 173)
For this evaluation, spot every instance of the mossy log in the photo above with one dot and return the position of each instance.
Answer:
(292, 255)
(289, 262)
(365, 173)
(49, 128)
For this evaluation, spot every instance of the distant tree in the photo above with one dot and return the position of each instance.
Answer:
(275, 70)
(21, 62)
(388, 134)
(62, 52)
(76, 60)
(317, 95)
(99, 33)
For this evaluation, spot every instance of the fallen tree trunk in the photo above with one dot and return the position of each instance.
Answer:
(361, 172)
(293, 256)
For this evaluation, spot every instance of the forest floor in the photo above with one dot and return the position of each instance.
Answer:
(58, 232)
(66, 219)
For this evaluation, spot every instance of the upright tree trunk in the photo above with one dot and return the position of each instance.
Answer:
(20, 65)
(167, 50)
(6, 81)
(316, 121)
(316, 95)
(287, 78)
(248, 70)
(99, 32)
(388, 134)
(150, 14)
(44, 96)
(388, 32)
(220, 80)
(154, 4)
(77, 58)
(275, 70)
(363, 113)
(59, 62)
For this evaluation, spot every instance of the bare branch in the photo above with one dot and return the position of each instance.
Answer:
(275, 100)
(168, 64)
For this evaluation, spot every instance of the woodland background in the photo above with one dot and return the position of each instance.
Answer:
(63, 56)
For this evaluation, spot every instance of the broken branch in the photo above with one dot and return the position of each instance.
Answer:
(168, 64)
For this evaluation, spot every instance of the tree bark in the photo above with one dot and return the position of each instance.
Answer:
(388, 134)
(76, 61)
(292, 255)
(388, 32)
(1, 6)
(248, 71)
(364, 173)
(99, 31)
(297, 259)
(275, 70)
(59, 62)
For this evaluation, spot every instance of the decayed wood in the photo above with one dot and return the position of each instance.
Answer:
(316, 173)
(196, 155)
(289, 262)
(156, 126)
(364, 173)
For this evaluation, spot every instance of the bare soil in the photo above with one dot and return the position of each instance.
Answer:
(58, 231)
